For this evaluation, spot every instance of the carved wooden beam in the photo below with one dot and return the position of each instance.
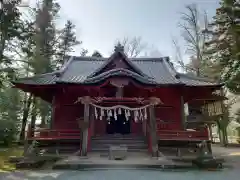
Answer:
(155, 101)
(87, 100)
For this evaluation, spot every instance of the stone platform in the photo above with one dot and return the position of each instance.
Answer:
(134, 160)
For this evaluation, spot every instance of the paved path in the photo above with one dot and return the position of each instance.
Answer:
(218, 150)
(122, 175)
(232, 155)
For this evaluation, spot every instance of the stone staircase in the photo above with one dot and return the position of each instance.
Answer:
(63, 147)
(134, 143)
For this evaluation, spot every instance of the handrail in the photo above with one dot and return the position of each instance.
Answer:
(56, 130)
(165, 134)
(49, 134)
(179, 131)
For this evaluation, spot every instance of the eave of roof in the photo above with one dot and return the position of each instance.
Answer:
(190, 80)
(154, 71)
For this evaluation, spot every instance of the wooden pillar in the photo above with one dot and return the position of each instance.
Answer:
(92, 120)
(183, 117)
(85, 101)
(144, 127)
(153, 131)
(53, 112)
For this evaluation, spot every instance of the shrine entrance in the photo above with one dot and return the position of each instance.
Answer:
(120, 125)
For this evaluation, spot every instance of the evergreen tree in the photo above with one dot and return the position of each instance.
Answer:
(224, 46)
(96, 54)
(10, 24)
(67, 40)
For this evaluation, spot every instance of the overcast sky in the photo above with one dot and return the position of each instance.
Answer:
(101, 22)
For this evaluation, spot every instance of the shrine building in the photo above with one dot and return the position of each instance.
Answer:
(95, 97)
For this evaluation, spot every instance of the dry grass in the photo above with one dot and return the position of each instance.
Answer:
(5, 154)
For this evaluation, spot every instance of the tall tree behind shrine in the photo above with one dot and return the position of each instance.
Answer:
(52, 45)
(192, 21)
(9, 30)
(224, 46)
(45, 40)
(223, 50)
(11, 33)
(46, 48)
(66, 41)
(196, 34)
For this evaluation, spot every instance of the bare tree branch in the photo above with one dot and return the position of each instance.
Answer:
(133, 47)
(194, 38)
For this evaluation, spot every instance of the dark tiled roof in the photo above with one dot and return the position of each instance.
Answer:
(81, 70)
(44, 79)
(191, 80)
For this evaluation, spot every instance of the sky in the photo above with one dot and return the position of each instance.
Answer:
(100, 23)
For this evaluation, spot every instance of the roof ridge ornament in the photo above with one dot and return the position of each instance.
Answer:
(119, 47)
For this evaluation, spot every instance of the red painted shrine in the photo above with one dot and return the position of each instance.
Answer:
(142, 96)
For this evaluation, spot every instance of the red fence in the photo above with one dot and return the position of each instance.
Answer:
(56, 134)
(182, 135)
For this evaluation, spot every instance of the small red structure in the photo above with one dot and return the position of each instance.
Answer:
(143, 96)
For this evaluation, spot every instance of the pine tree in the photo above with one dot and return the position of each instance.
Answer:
(96, 54)
(224, 46)
(10, 24)
(44, 52)
(222, 52)
(67, 40)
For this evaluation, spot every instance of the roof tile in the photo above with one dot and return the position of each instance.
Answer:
(79, 69)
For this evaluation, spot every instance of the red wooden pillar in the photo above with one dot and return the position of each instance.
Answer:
(90, 129)
(85, 130)
(153, 131)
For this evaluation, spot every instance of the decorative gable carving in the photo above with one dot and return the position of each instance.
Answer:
(118, 62)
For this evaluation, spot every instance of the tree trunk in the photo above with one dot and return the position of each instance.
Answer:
(43, 121)
(225, 135)
(33, 116)
(210, 132)
(27, 104)
(222, 131)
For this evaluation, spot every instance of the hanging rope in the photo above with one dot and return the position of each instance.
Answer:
(117, 109)
(121, 106)
(113, 111)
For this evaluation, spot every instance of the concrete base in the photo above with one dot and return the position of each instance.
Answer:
(132, 161)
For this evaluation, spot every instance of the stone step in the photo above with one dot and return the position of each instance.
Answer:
(134, 143)
(118, 142)
(107, 150)
(63, 149)
(130, 146)
(112, 137)
(111, 141)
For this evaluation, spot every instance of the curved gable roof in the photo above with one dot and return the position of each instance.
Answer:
(86, 70)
